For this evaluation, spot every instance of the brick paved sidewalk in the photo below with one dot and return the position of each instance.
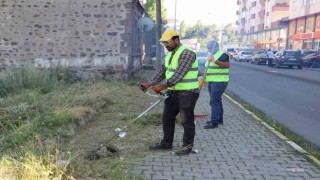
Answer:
(239, 149)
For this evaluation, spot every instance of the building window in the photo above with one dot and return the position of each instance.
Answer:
(304, 2)
(316, 44)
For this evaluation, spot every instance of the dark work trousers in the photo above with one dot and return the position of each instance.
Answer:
(182, 102)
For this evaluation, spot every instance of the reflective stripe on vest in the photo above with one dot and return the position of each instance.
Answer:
(215, 73)
(190, 80)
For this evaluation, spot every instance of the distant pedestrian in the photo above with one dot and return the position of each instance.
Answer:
(180, 71)
(217, 78)
(270, 57)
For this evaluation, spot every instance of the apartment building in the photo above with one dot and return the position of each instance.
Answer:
(260, 23)
(304, 24)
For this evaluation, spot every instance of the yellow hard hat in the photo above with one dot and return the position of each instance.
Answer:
(168, 34)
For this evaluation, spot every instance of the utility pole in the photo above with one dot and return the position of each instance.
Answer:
(175, 15)
(158, 33)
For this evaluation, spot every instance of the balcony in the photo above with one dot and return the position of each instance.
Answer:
(280, 7)
(253, 16)
(238, 12)
(237, 22)
(262, 2)
(243, 9)
(238, 2)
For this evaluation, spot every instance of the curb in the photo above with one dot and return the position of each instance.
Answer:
(275, 132)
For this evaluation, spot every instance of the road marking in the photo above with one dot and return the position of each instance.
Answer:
(297, 147)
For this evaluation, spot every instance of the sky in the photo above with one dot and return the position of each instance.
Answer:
(218, 12)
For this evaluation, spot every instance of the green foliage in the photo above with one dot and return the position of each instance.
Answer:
(15, 80)
(51, 123)
(152, 118)
(31, 165)
(201, 31)
(230, 30)
(27, 115)
(204, 33)
(150, 7)
(183, 28)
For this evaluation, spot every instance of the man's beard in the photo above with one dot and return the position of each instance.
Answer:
(170, 49)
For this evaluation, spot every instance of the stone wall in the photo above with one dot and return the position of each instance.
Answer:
(89, 36)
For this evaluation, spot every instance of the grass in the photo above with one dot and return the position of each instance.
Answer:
(309, 147)
(50, 134)
(43, 135)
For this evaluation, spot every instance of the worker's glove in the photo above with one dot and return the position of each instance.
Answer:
(159, 87)
(202, 82)
(144, 86)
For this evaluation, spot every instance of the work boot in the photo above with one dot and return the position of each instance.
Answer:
(160, 147)
(210, 126)
(219, 122)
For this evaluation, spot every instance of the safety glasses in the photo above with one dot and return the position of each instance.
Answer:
(165, 43)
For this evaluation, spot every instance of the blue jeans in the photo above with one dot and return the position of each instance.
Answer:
(216, 89)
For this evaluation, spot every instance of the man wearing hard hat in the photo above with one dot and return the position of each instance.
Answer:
(180, 72)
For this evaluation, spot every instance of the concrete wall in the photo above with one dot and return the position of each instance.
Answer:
(89, 36)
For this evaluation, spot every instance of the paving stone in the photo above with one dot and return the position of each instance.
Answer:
(242, 148)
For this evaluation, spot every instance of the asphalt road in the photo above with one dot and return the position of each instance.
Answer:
(288, 96)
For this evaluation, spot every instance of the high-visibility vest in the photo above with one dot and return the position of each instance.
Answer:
(190, 80)
(215, 73)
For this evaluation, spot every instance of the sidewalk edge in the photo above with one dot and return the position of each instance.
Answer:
(275, 132)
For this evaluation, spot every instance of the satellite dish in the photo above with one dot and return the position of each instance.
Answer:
(145, 24)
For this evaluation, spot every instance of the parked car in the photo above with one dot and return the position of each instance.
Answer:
(244, 56)
(202, 58)
(311, 60)
(259, 57)
(288, 58)
(231, 52)
(307, 52)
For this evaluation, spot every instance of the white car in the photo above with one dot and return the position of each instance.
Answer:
(244, 56)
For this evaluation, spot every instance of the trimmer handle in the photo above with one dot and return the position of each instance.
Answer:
(161, 93)
(142, 88)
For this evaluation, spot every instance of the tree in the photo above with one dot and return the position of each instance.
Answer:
(229, 30)
(150, 7)
(202, 32)
(183, 28)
